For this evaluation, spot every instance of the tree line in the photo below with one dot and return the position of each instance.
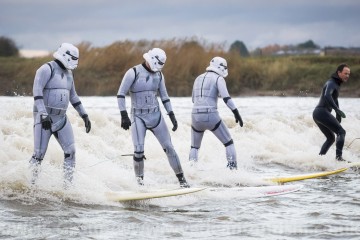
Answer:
(101, 69)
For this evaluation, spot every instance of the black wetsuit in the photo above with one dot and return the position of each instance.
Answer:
(327, 123)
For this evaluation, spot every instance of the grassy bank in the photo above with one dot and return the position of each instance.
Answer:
(101, 69)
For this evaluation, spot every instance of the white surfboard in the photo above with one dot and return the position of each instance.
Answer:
(233, 192)
(132, 196)
(254, 192)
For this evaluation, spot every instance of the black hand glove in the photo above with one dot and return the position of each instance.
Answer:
(45, 121)
(340, 113)
(237, 117)
(173, 120)
(87, 123)
(338, 117)
(125, 120)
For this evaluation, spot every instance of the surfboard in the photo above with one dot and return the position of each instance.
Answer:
(305, 176)
(133, 196)
(286, 179)
(254, 192)
(216, 192)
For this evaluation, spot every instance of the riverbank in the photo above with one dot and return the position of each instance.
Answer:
(101, 70)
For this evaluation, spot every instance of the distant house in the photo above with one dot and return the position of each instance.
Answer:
(26, 53)
(294, 52)
(341, 51)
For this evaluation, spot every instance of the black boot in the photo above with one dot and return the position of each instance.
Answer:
(182, 180)
(340, 159)
(140, 180)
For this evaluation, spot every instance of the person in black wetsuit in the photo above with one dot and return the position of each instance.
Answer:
(322, 116)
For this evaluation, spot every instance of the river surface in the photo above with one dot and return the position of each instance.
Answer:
(279, 138)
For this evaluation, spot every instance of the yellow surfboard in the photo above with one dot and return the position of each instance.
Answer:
(305, 176)
(132, 196)
(312, 175)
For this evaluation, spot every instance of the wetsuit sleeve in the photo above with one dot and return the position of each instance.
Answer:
(164, 95)
(224, 94)
(75, 102)
(124, 88)
(42, 76)
(329, 90)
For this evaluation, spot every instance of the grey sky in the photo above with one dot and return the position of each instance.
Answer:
(44, 24)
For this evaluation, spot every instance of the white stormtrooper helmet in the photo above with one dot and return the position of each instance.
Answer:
(68, 55)
(156, 58)
(218, 65)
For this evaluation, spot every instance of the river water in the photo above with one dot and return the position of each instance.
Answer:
(279, 138)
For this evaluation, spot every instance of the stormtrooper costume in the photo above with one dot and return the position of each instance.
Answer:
(144, 82)
(53, 90)
(205, 116)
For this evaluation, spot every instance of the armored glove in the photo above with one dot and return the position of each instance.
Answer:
(45, 121)
(173, 120)
(237, 117)
(87, 123)
(125, 120)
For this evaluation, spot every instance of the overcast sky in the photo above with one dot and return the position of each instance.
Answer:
(44, 24)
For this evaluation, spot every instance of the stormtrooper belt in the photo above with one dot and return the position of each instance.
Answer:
(144, 110)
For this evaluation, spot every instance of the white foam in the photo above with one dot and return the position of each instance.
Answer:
(278, 136)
